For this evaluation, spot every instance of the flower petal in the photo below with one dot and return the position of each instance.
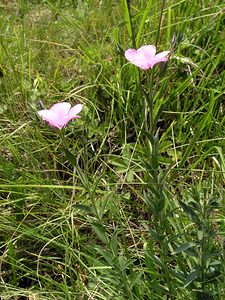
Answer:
(148, 52)
(143, 57)
(50, 117)
(62, 109)
(60, 114)
(136, 59)
(74, 111)
(162, 56)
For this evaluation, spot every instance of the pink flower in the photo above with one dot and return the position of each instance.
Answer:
(60, 114)
(146, 57)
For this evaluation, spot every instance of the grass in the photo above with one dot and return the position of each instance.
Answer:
(126, 202)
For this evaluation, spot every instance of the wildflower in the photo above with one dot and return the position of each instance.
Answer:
(60, 114)
(146, 57)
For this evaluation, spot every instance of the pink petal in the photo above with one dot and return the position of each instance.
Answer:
(136, 59)
(148, 52)
(60, 114)
(74, 111)
(162, 55)
(143, 57)
(50, 117)
(62, 109)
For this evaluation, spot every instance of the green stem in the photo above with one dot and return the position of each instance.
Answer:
(203, 247)
(160, 24)
(126, 285)
(150, 95)
(128, 18)
(80, 172)
(164, 256)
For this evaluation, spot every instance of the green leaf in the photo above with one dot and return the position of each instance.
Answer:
(114, 242)
(190, 213)
(71, 158)
(100, 231)
(155, 235)
(134, 278)
(106, 255)
(192, 276)
(84, 208)
(83, 178)
(184, 247)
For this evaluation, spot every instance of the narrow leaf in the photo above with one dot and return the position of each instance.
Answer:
(184, 247)
(191, 277)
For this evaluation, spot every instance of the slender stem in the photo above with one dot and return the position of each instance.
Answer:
(164, 259)
(160, 23)
(203, 246)
(63, 139)
(150, 80)
(146, 109)
(128, 18)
